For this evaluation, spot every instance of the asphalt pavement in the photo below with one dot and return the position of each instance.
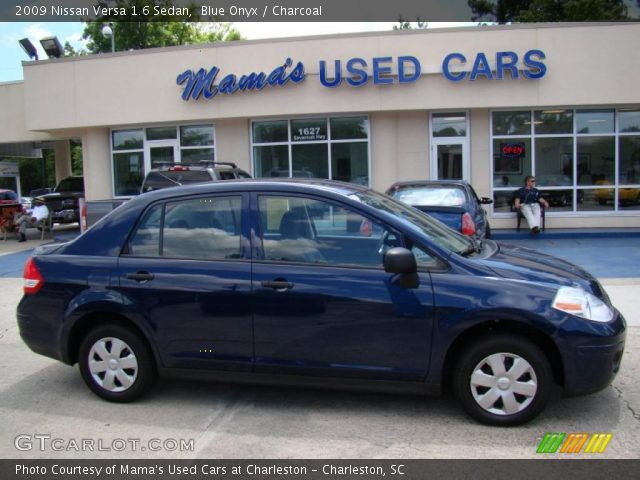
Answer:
(48, 412)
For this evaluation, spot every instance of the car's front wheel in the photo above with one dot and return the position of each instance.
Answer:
(116, 363)
(503, 380)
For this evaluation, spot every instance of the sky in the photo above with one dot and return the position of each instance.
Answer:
(13, 55)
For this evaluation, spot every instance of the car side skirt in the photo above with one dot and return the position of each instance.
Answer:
(334, 383)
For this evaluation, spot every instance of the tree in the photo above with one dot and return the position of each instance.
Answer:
(402, 25)
(574, 11)
(147, 31)
(500, 11)
(504, 11)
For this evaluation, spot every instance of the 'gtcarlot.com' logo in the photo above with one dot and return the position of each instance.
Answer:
(45, 442)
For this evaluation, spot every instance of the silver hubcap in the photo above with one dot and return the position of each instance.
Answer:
(503, 383)
(112, 364)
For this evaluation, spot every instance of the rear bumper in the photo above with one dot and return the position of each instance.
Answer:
(39, 336)
(65, 216)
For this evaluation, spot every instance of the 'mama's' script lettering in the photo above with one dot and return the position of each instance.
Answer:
(203, 82)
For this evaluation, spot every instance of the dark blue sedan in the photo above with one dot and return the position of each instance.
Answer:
(453, 202)
(316, 283)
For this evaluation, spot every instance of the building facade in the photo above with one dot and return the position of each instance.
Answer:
(490, 105)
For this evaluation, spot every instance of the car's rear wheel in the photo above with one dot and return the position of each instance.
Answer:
(503, 380)
(116, 363)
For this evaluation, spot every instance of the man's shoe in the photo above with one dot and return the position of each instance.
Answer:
(536, 230)
(23, 238)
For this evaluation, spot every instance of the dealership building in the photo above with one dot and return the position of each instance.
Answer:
(489, 105)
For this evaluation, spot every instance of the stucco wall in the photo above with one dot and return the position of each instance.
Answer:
(586, 64)
(13, 127)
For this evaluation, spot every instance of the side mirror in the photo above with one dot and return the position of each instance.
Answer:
(486, 201)
(400, 260)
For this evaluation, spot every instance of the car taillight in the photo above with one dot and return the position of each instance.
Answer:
(468, 226)
(33, 280)
(178, 169)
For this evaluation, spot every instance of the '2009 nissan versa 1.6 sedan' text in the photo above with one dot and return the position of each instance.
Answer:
(316, 283)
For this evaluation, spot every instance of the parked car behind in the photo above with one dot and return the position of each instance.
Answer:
(316, 283)
(64, 201)
(175, 174)
(453, 202)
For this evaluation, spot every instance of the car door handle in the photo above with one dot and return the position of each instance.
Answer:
(140, 276)
(278, 285)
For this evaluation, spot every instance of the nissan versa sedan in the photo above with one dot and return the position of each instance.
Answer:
(316, 283)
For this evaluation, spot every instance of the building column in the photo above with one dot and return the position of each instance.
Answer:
(96, 164)
(62, 154)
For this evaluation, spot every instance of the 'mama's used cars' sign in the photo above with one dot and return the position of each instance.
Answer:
(357, 72)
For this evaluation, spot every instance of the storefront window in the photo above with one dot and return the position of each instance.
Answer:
(629, 160)
(595, 163)
(136, 151)
(349, 162)
(549, 122)
(128, 173)
(575, 166)
(128, 139)
(308, 130)
(594, 121)
(511, 123)
(347, 128)
(161, 133)
(449, 124)
(554, 161)
(196, 135)
(629, 121)
(269, 132)
(334, 148)
(271, 161)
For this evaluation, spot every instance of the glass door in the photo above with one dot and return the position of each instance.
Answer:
(449, 146)
(161, 153)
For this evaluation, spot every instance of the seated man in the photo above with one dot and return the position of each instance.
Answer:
(528, 200)
(30, 218)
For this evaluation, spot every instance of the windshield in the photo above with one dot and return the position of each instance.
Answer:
(443, 236)
(436, 195)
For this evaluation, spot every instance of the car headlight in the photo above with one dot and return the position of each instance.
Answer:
(578, 302)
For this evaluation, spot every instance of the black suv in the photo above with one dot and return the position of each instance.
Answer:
(173, 174)
(63, 202)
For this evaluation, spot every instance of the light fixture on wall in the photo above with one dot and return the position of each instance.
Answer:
(28, 48)
(52, 47)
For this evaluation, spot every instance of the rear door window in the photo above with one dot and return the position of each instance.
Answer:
(205, 228)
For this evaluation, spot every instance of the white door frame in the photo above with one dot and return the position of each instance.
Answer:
(159, 144)
(437, 141)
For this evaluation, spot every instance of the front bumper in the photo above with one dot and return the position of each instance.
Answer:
(592, 362)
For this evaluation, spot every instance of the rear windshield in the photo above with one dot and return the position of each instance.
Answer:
(444, 196)
(165, 179)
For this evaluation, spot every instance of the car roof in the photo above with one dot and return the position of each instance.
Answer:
(255, 184)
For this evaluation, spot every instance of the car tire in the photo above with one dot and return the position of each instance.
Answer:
(503, 380)
(116, 364)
